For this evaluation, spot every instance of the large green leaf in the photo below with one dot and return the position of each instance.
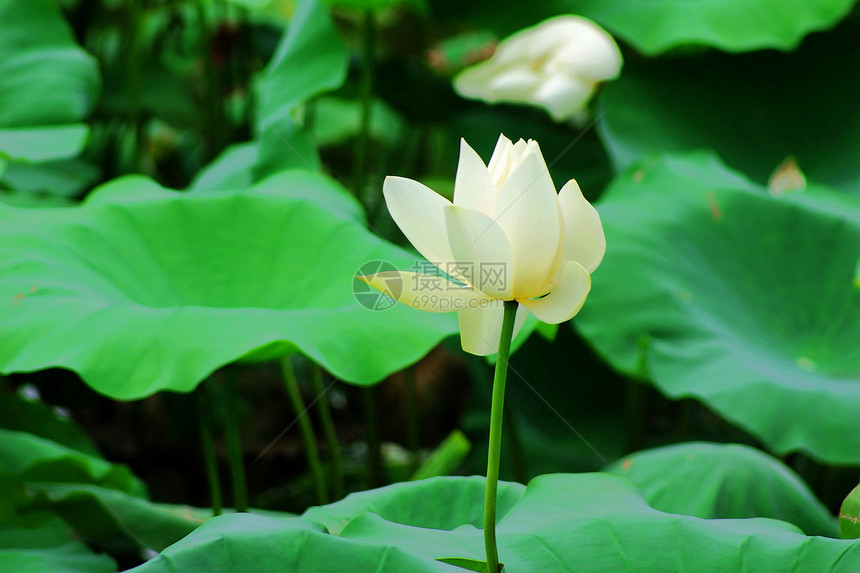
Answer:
(725, 481)
(103, 502)
(43, 143)
(47, 78)
(54, 179)
(247, 542)
(588, 522)
(849, 515)
(50, 547)
(655, 26)
(32, 539)
(48, 85)
(315, 187)
(745, 300)
(801, 105)
(437, 503)
(142, 289)
(27, 415)
(116, 520)
(337, 120)
(232, 169)
(311, 59)
(26, 457)
(292, 77)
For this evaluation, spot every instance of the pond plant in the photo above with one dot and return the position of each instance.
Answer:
(215, 216)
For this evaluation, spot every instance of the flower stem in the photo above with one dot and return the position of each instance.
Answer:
(366, 91)
(305, 428)
(495, 448)
(204, 418)
(234, 443)
(371, 437)
(132, 64)
(212, 107)
(329, 431)
(413, 420)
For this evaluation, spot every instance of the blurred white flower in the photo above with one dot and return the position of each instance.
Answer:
(555, 65)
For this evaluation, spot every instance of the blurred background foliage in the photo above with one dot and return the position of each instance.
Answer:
(206, 95)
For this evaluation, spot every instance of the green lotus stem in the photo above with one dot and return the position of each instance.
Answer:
(371, 437)
(234, 443)
(335, 460)
(132, 65)
(413, 419)
(209, 459)
(495, 448)
(310, 441)
(366, 91)
(214, 122)
(309, 117)
(634, 414)
(684, 416)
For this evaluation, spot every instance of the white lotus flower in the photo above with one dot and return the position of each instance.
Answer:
(556, 65)
(507, 236)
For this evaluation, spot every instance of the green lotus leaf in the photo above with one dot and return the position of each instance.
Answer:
(51, 180)
(49, 83)
(47, 78)
(725, 481)
(338, 120)
(116, 520)
(742, 299)
(577, 522)
(142, 289)
(43, 143)
(377, 5)
(25, 457)
(656, 26)
(232, 169)
(48, 547)
(293, 77)
(315, 187)
(425, 503)
(849, 515)
(35, 417)
(310, 59)
(34, 541)
(686, 104)
(248, 542)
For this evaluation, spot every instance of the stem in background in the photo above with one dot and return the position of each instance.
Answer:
(495, 448)
(132, 68)
(371, 437)
(305, 428)
(366, 91)
(684, 417)
(635, 414)
(214, 121)
(413, 419)
(85, 15)
(515, 443)
(234, 444)
(209, 459)
(309, 117)
(336, 474)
